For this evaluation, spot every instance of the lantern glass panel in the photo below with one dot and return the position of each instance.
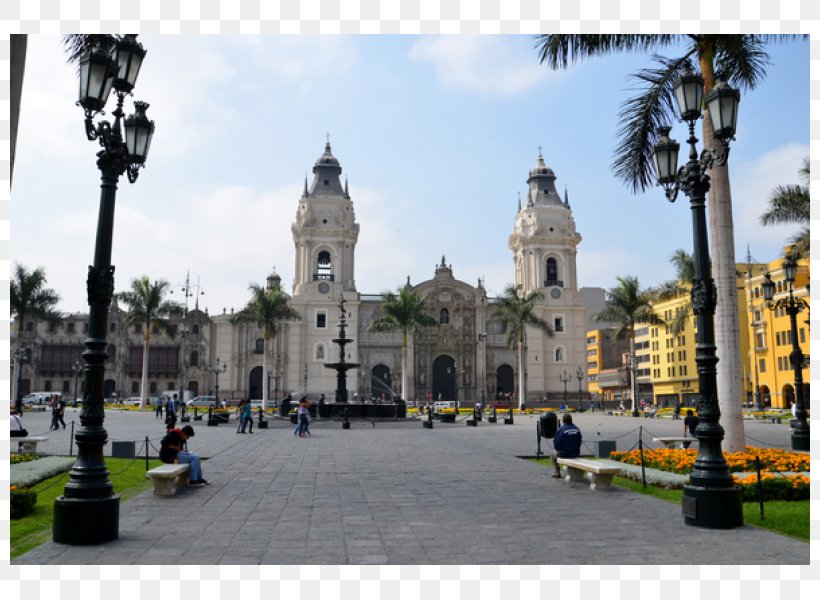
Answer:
(790, 270)
(689, 94)
(768, 288)
(666, 161)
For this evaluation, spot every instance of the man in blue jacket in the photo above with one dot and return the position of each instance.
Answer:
(567, 442)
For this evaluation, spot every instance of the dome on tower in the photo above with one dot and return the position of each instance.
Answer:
(326, 172)
(542, 185)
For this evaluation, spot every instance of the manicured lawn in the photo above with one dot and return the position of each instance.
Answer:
(787, 518)
(127, 475)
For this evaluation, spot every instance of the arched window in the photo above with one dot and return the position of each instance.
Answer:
(259, 348)
(559, 354)
(323, 266)
(66, 386)
(194, 362)
(135, 387)
(444, 316)
(48, 385)
(195, 329)
(152, 387)
(552, 272)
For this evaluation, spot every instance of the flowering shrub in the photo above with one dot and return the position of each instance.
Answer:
(774, 487)
(22, 502)
(21, 458)
(682, 460)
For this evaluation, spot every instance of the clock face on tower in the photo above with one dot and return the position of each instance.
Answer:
(555, 293)
(324, 288)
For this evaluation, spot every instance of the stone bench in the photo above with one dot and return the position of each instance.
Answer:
(168, 480)
(600, 476)
(28, 444)
(675, 442)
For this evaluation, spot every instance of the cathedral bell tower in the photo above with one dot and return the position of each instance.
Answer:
(544, 245)
(324, 235)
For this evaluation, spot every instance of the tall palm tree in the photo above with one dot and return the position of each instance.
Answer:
(147, 306)
(269, 306)
(626, 305)
(516, 309)
(404, 311)
(741, 61)
(791, 204)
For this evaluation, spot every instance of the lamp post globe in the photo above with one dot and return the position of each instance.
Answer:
(88, 511)
(711, 498)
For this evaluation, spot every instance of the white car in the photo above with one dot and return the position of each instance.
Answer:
(255, 404)
(202, 402)
(133, 401)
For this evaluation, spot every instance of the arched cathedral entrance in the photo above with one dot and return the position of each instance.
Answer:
(255, 383)
(444, 378)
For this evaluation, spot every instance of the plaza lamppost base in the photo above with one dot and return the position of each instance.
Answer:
(800, 438)
(86, 521)
(712, 508)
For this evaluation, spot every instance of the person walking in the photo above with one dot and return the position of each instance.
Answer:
(55, 413)
(240, 417)
(302, 412)
(566, 443)
(690, 423)
(60, 412)
(171, 413)
(247, 417)
(158, 407)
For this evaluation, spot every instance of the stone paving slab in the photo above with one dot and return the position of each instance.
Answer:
(399, 494)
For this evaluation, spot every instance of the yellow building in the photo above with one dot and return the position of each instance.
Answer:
(672, 365)
(770, 365)
(607, 376)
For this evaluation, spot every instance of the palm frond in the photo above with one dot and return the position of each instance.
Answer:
(787, 204)
(801, 244)
(740, 60)
(684, 264)
(641, 116)
(558, 51)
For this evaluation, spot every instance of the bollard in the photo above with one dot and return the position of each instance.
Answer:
(146, 453)
(472, 422)
(493, 418)
(509, 420)
(759, 487)
(640, 448)
(538, 437)
(71, 441)
(346, 423)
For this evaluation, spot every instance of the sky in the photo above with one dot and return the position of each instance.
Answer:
(435, 134)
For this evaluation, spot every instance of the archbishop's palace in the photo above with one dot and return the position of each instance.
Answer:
(464, 357)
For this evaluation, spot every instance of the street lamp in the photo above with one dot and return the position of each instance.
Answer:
(710, 499)
(77, 368)
(20, 355)
(579, 373)
(88, 512)
(217, 371)
(186, 291)
(565, 378)
(793, 306)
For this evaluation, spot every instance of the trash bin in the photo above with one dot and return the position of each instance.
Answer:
(549, 424)
(602, 448)
(123, 449)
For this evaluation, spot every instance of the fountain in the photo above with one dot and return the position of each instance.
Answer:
(341, 367)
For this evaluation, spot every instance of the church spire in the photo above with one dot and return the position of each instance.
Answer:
(566, 197)
(519, 201)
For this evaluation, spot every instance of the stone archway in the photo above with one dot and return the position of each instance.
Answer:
(255, 383)
(765, 396)
(380, 382)
(444, 378)
(788, 396)
(504, 380)
(109, 387)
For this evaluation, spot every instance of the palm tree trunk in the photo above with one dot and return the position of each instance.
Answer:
(727, 327)
(632, 370)
(404, 366)
(521, 391)
(144, 381)
(265, 375)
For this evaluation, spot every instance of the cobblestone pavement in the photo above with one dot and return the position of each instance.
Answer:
(396, 493)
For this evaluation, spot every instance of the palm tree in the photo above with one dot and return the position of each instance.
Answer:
(269, 306)
(516, 309)
(29, 297)
(741, 61)
(404, 311)
(626, 305)
(147, 306)
(791, 204)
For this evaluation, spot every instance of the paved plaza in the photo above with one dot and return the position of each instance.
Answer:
(396, 493)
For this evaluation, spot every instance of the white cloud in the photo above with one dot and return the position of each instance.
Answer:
(486, 64)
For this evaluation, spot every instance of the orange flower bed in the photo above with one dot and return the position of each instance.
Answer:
(682, 460)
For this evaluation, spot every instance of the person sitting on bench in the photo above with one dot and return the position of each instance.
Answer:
(566, 443)
(17, 429)
(172, 452)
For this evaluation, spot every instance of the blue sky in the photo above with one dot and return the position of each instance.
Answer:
(435, 134)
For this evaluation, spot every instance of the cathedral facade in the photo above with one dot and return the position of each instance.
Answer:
(463, 357)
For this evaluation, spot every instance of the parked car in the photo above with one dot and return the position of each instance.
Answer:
(134, 401)
(38, 398)
(202, 401)
(255, 404)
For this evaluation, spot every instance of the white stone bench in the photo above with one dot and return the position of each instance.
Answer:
(675, 442)
(28, 444)
(168, 480)
(600, 476)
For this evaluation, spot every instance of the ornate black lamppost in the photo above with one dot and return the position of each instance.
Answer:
(793, 306)
(88, 512)
(565, 378)
(579, 373)
(710, 499)
(185, 288)
(217, 371)
(20, 355)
